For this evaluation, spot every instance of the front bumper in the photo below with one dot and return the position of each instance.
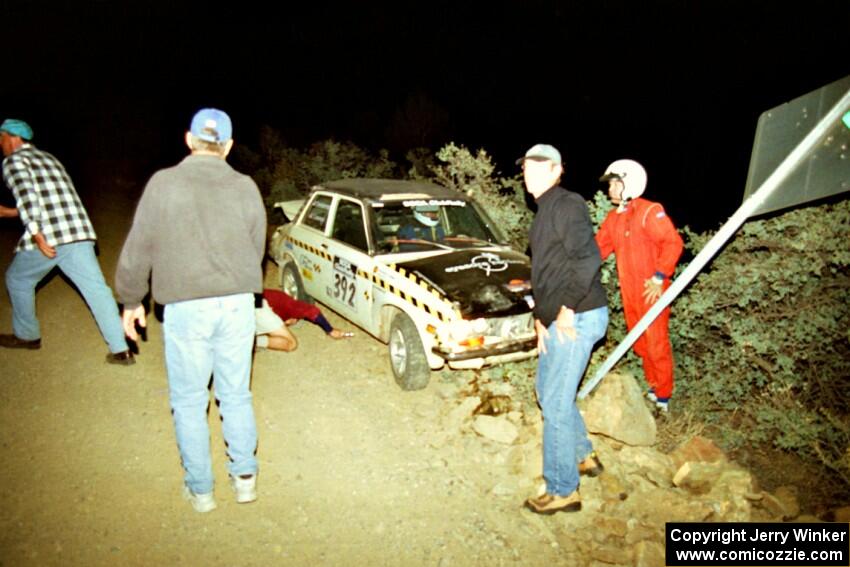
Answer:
(520, 346)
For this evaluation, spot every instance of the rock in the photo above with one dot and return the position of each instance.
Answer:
(697, 450)
(526, 460)
(616, 409)
(459, 413)
(788, 496)
(613, 487)
(497, 429)
(840, 514)
(515, 417)
(505, 488)
(611, 554)
(698, 478)
(655, 466)
(687, 509)
(642, 532)
(649, 554)
(731, 493)
(610, 525)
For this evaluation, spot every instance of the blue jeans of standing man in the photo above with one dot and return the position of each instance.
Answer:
(203, 337)
(559, 372)
(78, 262)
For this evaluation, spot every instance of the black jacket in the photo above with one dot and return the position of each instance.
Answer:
(565, 259)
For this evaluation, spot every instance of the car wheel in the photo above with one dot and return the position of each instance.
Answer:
(407, 355)
(290, 282)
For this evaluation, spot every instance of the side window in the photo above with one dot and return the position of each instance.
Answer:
(348, 225)
(317, 214)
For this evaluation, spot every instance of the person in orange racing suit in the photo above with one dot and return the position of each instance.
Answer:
(647, 247)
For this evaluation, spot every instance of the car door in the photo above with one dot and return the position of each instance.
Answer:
(349, 286)
(311, 246)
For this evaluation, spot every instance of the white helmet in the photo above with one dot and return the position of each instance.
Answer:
(631, 173)
(419, 214)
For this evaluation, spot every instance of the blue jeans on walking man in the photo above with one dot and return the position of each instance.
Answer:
(203, 337)
(559, 371)
(77, 261)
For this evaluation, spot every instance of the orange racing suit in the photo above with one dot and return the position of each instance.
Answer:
(646, 244)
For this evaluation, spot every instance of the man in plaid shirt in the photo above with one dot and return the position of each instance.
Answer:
(57, 232)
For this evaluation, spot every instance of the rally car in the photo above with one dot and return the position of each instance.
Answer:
(419, 266)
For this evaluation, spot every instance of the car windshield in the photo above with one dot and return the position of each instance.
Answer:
(422, 225)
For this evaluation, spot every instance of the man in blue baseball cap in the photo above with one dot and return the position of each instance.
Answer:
(199, 237)
(58, 233)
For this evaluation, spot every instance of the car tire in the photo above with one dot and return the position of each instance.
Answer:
(407, 355)
(290, 282)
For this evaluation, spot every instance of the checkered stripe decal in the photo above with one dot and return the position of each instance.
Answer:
(440, 307)
(312, 249)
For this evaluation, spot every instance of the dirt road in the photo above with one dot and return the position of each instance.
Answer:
(353, 470)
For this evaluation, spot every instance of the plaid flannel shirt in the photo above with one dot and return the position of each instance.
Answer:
(46, 199)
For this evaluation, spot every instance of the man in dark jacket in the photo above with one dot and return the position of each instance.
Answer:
(571, 315)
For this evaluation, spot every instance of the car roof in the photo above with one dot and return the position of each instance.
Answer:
(389, 189)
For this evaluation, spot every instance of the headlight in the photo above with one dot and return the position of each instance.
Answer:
(462, 329)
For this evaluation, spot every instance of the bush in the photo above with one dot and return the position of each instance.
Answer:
(762, 336)
(502, 197)
(283, 173)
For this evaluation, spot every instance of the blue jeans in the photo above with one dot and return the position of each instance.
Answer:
(559, 372)
(78, 262)
(203, 337)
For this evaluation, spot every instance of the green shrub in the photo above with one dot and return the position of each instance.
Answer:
(502, 197)
(284, 173)
(762, 335)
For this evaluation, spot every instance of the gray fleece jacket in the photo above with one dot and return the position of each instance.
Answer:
(199, 231)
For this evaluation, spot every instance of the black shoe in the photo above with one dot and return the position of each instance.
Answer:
(126, 358)
(11, 341)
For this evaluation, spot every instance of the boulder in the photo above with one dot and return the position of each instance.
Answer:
(697, 449)
(698, 478)
(460, 412)
(731, 494)
(497, 429)
(617, 410)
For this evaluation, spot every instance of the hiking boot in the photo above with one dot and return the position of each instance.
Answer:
(200, 502)
(11, 341)
(591, 466)
(245, 487)
(124, 358)
(547, 504)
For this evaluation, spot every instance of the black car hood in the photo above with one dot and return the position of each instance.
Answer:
(482, 283)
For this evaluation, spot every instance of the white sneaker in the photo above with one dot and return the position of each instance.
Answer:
(200, 502)
(662, 406)
(245, 487)
(650, 395)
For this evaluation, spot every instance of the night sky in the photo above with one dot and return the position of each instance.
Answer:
(678, 85)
